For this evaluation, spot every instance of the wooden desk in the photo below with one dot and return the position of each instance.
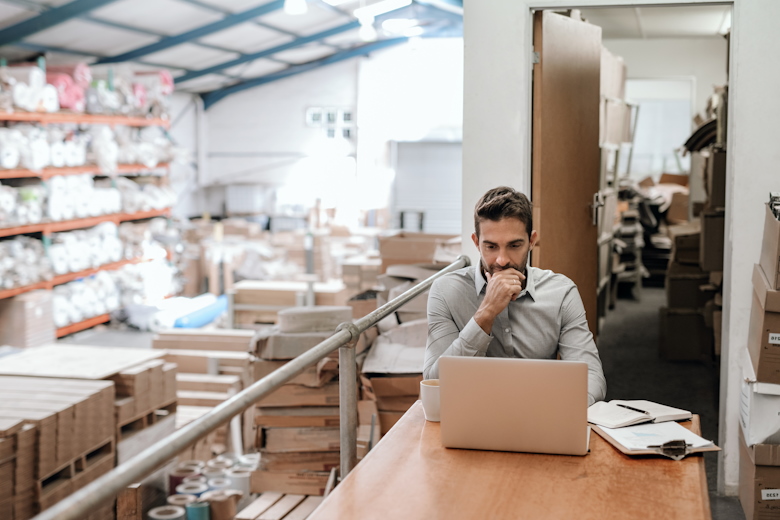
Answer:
(409, 475)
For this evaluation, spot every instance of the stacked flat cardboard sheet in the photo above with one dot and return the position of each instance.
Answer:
(67, 438)
(298, 424)
(27, 320)
(276, 295)
(392, 371)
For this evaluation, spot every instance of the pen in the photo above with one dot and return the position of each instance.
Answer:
(632, 408)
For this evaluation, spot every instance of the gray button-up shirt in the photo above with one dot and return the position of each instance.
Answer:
(546, 319)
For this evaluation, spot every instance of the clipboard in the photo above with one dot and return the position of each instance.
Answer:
(675, 449)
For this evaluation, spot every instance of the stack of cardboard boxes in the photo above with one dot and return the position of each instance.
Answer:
(759, 475)
(409, 248)
(691, 321)
(269, 297)
(298, 424)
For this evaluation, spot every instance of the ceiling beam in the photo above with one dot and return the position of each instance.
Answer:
(450, 6)
(48, 19)
(640, 27)
(209, 98)
(268, 52)
(199, 32)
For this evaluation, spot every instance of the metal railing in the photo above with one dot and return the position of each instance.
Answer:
(78, 505)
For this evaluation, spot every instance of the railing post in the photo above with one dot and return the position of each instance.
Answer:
(348, 400)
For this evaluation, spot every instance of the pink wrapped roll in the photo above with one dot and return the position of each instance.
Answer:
(71, 95)
(139, 92)
(164, 79)
(79, 72)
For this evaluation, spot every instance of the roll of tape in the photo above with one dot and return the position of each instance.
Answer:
(219, 483)
(192, 488)
(211, 473)
(168, 513)
(181, 500)
(222, 463)
(176, 477)
(199, 511)
(240, 479)
(198, 478)
(194, 465)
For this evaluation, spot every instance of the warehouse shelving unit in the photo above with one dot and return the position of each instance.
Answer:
(47, 173)
(47, 228)
(68, 225)
(65, 117)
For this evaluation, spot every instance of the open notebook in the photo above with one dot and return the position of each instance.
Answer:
(618, 414)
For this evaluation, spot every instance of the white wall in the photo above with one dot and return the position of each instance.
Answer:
(701, 58)
(184, 131)
(409, 93)
(260, 136)
(496, 139)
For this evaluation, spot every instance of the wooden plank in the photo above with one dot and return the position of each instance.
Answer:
(194, 398)
(129, 503)
(282, 507)
(304, 509)
(259, 506)
(207, 382)
(74, 361)
(410, 462)
(94, 169)
(77, 117)
(10, 427)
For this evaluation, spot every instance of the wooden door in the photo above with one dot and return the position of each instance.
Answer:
(565, 157)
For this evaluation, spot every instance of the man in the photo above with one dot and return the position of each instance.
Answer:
(505, 308)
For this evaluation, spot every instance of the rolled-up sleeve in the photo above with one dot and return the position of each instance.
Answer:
(444, 336)
(576, 344)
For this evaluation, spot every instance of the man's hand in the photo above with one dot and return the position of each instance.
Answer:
(503, 287)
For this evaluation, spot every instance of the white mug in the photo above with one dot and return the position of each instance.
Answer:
(429, 393)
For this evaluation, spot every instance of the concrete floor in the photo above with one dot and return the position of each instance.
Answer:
(628, 346)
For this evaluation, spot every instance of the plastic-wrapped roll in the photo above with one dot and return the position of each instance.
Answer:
(37, 155)
(61, 305)
(57, 154)
(9, 155)
(31, 75)
(22, 96)
(168, 513)
(80, 72)
(58, 255)
(48, 99)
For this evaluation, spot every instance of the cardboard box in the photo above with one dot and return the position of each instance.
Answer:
(408, 248)
(759, 481)
(284, 440)
(716, 179)
(770, 249)
(712, 240)
(683, 336)
(759, 409)
(297, 395)
(764, 329)
(682, 286)
(290, 482)
(686, 241)
(678, 209)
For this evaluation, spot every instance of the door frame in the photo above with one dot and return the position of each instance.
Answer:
(497, 130)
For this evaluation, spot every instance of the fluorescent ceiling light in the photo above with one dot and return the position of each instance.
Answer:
(399, 25)
(380, 8)
(336, 2)
(295, 7)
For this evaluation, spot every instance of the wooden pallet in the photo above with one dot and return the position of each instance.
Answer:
(76, 474)
(142, 421)
(278, 506)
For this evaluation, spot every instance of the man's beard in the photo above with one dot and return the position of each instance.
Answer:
(495, 267)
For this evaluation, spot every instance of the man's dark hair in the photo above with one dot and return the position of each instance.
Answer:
(504, 202)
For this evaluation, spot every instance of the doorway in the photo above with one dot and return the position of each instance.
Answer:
(652, 195)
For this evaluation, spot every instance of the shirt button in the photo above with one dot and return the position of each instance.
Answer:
(507, 330)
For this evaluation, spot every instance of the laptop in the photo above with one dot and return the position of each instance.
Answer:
(523, 405)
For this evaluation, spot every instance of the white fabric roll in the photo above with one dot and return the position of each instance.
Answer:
(57, 151)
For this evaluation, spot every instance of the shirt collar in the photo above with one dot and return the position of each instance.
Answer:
(530, 285)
